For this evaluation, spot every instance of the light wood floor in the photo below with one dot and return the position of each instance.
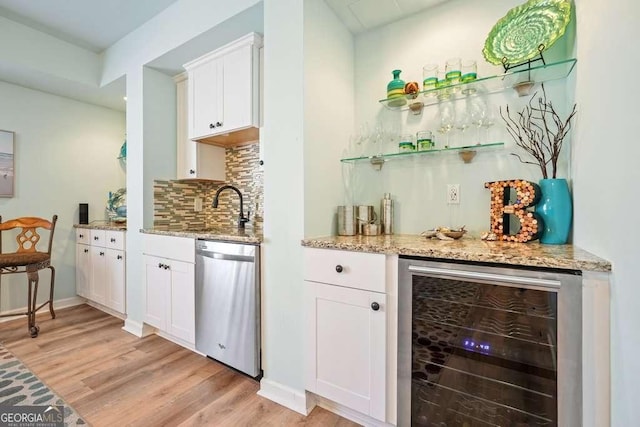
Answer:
(114, 378)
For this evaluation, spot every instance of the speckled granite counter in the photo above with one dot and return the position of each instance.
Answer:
(247, 235)
(528, 254)
(103, 225)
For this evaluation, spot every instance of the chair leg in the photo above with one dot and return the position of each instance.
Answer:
(32, 277)
(53, 280)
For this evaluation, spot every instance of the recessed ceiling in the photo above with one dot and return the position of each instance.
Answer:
(363, 15)
(91, 24)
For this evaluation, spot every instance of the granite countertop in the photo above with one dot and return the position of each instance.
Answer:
(531, 254)
(248, 235)
(103, 225)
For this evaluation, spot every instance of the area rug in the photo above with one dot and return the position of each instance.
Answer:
(20, 387)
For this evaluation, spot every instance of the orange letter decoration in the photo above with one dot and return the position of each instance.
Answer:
(527, 194)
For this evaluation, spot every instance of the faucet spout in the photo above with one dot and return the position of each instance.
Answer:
(241, 219)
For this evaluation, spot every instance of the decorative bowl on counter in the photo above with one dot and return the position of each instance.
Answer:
(444, 233)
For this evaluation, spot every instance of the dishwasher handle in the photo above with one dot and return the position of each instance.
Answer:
(225, 257)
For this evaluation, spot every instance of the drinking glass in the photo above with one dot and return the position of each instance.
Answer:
(429, 77)
(406, 143)
(453, 70)
(447, 117)
(444, 92)
(469, 74)
(424, 140)
(469, 70)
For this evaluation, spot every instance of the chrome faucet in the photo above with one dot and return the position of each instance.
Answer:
(241, 219)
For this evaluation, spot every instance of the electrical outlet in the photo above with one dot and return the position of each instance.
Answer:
(453, 194)
(197, 204)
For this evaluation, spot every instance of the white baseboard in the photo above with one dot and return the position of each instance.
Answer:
(57, 305)
(138, 329)
(178, 341)
(106, 309)
(286, 396)
(348, 413)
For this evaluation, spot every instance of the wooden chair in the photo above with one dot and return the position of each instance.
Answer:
(27, 259)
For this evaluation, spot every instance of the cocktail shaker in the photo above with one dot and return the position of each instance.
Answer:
(386, 214)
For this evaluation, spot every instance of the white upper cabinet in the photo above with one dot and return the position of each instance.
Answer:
(224, 93)
(195, 160)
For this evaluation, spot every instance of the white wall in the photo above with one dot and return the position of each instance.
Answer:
(65, 153)
(34, 51)
(605, 176)
(174, 26)
(283, 136)
(456, 28)
(328, 113)
(159, 134)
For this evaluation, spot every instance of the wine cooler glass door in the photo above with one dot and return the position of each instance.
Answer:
(484, 346)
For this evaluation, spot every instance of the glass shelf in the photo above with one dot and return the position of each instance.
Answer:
(520, 80)
(466, 153)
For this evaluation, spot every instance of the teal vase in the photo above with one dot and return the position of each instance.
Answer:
(556, 210)
(395, 90)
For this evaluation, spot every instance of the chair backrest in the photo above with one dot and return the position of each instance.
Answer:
(28, 238)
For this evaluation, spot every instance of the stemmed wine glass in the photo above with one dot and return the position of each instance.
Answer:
(377, 137)
(478, 113)
(488, 121)
(447, 118)
(462, 123)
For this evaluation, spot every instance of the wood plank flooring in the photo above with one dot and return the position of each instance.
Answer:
(114, 378)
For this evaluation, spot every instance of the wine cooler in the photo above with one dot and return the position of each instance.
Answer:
(488, 346)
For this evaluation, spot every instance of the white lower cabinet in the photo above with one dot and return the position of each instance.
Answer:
(100, 268)
(83, 269)
(170, 286)
(347, 330)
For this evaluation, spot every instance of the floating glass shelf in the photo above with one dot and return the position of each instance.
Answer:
(521, 80)
(466, 153)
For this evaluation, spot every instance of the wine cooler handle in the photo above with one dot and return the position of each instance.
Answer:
(475, 275)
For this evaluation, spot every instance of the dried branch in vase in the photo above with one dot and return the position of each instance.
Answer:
(539, 130)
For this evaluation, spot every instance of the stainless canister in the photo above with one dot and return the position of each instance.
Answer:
(386, 214)
(347, 220)
(365, 214)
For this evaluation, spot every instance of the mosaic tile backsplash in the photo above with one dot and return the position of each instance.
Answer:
(174, 200)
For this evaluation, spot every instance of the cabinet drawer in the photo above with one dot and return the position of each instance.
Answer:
(178, 248)
(83, 235)
(114, 240)
(343, 268)
(98, 238)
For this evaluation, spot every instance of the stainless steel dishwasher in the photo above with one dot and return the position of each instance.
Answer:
(228, 304)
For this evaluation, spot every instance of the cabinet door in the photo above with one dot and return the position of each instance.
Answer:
(182, 301)
(98, 283)
(237, 89)
(347, 347)
(83, 269)
(157, 280)
(205, 98)
(115, 280)
(195, 160)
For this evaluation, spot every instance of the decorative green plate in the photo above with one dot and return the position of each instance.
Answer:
(517, 36)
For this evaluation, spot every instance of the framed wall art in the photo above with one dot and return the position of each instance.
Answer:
(7, 165)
